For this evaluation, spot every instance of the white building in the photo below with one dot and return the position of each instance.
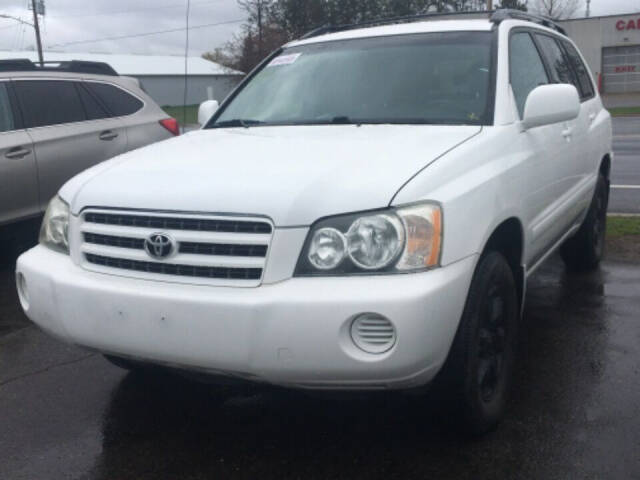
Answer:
(611, 46)
(162, 76)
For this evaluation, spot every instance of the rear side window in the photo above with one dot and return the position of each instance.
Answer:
(49, 102)
(556, 60)
(92, 108)
(585, 87)
(118, 101)
(526, 68)
(6, 115)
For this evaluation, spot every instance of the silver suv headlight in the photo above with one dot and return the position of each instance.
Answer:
(394, 240)
(54, 232)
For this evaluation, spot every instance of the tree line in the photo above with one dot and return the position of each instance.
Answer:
(271, 23)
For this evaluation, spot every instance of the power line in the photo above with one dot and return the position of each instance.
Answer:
(17, 19)
(147, 34)
(15, 43)
(7, 27)
(119, 12)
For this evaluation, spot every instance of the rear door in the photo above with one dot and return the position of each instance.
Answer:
(140, 118)
(70, 129)
(589, 121)
(18, 173)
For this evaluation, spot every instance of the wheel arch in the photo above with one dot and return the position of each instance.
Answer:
(605, 167)
(507, 238)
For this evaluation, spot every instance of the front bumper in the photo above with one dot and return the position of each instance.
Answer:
(295, 333)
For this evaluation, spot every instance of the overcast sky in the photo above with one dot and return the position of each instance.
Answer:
(70, 21)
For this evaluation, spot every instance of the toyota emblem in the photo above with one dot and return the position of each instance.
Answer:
(159, 245)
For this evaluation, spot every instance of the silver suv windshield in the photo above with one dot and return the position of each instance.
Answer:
(432, 78)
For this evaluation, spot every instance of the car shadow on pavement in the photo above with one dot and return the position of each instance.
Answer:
(193, 430)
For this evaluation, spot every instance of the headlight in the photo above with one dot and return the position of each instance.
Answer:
(375, 241)
(391, 241)
(55, 226)
(423, 224)
(328, 248)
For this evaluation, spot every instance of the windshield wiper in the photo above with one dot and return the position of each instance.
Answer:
(238, 122)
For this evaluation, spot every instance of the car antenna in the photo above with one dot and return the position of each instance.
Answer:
(186, 68)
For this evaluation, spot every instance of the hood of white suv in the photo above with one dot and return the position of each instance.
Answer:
(294, 175)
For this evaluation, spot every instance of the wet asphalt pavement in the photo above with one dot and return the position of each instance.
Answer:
(625, 174)
(575, 411)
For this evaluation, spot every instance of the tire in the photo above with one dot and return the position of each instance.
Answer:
(477, 373)
(583, 251)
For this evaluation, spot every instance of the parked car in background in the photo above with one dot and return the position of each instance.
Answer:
(363, 212)
(58, 120)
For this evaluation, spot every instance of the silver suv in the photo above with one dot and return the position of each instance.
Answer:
(58, 120)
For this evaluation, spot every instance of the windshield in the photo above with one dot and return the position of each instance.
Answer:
(433, 78)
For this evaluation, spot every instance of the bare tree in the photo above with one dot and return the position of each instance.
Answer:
(257, 11)
(270, 23)
(514, 4)
(557, 9)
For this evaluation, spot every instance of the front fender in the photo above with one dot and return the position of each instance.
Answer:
(480, 185)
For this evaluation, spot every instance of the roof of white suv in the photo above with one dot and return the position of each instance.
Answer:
(426, 26)
(427, 23)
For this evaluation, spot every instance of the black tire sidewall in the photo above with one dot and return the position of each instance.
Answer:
(579, 252)
(481, 416)
(600, 193)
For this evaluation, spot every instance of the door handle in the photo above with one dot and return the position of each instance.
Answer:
(108, 135)
(17, 152)
(566, 133)
(592, 117)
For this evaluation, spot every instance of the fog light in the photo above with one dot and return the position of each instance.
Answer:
(373, 333)
(23, 293)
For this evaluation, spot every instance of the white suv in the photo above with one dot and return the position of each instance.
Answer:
(361, 213)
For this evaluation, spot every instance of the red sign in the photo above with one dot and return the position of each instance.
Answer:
(623, 25)
(626, 68)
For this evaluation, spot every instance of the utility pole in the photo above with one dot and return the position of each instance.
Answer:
(489, 5)
(37, 27)
(588, 8)
(260, 28)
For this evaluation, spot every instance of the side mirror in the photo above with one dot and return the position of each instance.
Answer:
(206, 111)
(550, 104)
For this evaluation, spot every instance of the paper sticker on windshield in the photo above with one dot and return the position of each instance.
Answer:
(284, 60)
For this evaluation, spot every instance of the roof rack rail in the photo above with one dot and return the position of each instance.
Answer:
(503, 14)
(496, 16)
(387, 21)
(72, 66)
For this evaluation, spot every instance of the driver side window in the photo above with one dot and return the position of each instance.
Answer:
(526, 68)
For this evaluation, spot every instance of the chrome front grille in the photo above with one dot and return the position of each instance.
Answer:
(205, 250)
(179, 223)
(111, 241)
(173, 269)
(196, 248)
